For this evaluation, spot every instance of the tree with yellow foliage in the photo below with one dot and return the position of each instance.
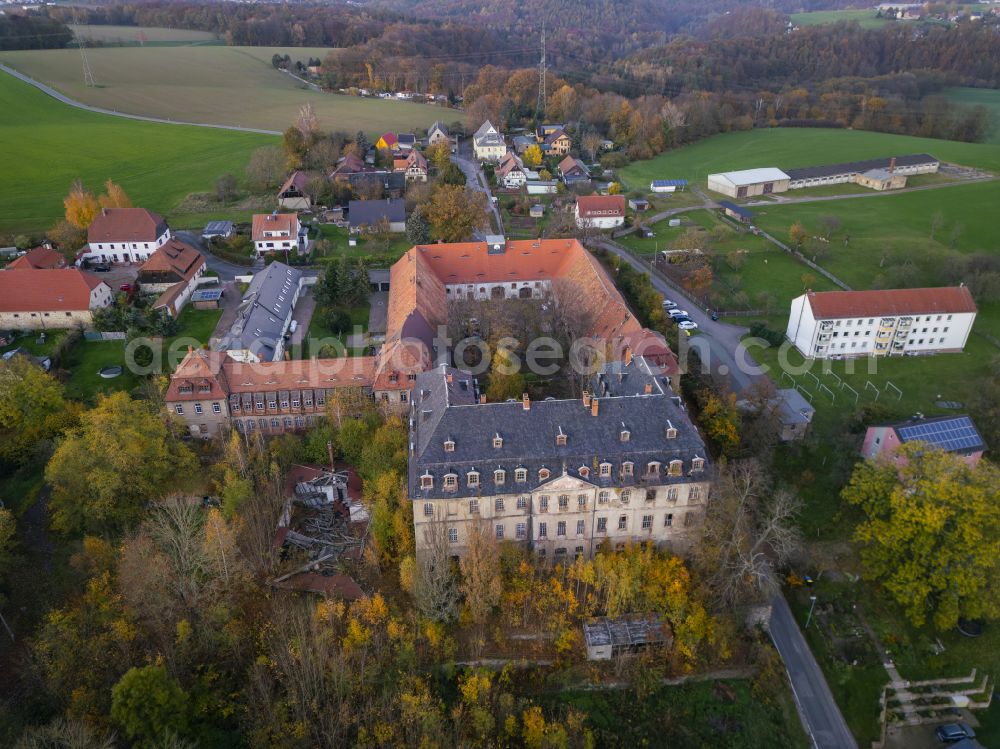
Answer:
(721, 420)
(532, 156)
(81, 206)
(114, 196)
(931, 536)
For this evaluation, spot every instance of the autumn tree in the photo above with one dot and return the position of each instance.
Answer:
(295, 147)
(33, 408)
(454, 212)
(592, 143)
(435, 588)
(439, 155)
(720, 418)
(114, 196)
(225, 188)
(481, 584)
(7, 528)
(149, 705)
(829, 224)
(532, 156)
(797, 234)
(931, 534)
(392, 516)
(81, 206)
(699, 280)
(506, 380)
(105, 470)
(266, 169)
(307, 123)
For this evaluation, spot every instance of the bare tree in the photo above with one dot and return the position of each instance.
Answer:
(434, 586)
(307, 122)
(748, 531)
(829, 223)
(481, 582)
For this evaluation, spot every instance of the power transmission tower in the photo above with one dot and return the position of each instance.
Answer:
(88, 74)
(541, 79)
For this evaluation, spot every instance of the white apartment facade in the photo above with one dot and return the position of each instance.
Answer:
(125, 235)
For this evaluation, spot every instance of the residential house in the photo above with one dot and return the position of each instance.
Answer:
(378, 183)
(387, 142)
(264, 316)
(510, 173)
(521, 143)
(42, 257)
(44, 298)
(886, 322)
(294, 194)
(438, 133)
(277, 232)
(172, 272)
(573, 171)
(347, 166)
(547, 129)
(366, 214)
(124, 235)
(406, 142)
(599, 211)
(414, 167)
(559, 477)
(488, 144)
(952, 434)
(749, 182)
(557, 143)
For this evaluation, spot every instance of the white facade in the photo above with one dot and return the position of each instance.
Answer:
(488, 144)
(610, 221)
(124, 252)
(749, 182)
(880, 335)
(499, 290)
(542, 187)
(849, 174)
(278, 240)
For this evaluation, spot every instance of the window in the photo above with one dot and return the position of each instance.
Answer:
(672, 494)
(602, 525)
(543, 530)
(499, 531)
(581, 501)
(627, 468)
(308, 401)
(522, 502)
(626, 495)
(672, 432)
(426, 481)
(472, 478)
(179, 409)
(668, 520)
(498, 504)
(287, 422)
(561, 551)
(563, 501)
(403, 396)
(519, 531)
(624, 435)
(578, 551)
(216, 408)
(602, 498)
(274, 423)
(450, 482)
(689, 518)
(499, 476)
(694, 493)
(605, 469)
(651, 495)
(497, 441)
(581, 527)
(449, 446)
(197, 408)
(473, 506)
(561, 528)
(521, 475)
(647, 522)
(676, 467)
(543, 503)
(652, 468)
(622, 522)
(543, 474)
(453, 535)
(697, 465)
(428, 510)
(272, 404)
(284, 403)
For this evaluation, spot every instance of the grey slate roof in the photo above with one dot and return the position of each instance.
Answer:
(443, 410)
(854, 167)
(370, 212)
(487, 135)
(794, 408)
(266, 306)
(620, 379)
(737, 209)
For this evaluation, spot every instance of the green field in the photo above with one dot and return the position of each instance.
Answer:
(156, 164)
(788, 148)
(866, 18)
(981, 97)
(213, 84)
(143, 35)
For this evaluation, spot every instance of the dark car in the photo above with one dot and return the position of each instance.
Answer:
(99, 268)
(949, 733)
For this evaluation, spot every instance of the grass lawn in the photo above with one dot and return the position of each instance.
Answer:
(217, 84)
(156, 164)
(789, 148)
(195, 327)
(866, 18)
(981, 97)
(379, 254)
(144, 35)
(84, 363)
(320, 331)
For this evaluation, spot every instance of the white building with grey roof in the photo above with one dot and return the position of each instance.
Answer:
(558, 476)
(264, 316)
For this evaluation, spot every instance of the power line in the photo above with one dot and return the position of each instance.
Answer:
(88, 74)
(540, 108)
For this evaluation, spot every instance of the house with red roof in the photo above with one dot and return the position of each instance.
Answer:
(172, 272)
(599, 211)
(38, 258)
(44, 298)
(125, 235)
(294, 194)
(277, 232)
(884, 322)
(387, 141)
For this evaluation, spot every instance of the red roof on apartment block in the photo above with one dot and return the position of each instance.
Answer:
(46, 290)
(126, 225)
(946, 299)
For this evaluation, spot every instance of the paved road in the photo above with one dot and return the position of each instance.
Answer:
(476, 179)
(817, 708)
(99, 110)
(227, 271)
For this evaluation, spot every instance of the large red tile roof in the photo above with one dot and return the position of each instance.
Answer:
(945, 299)
(590, 206)
(46, 290)
(280, 222)
(176, 256)
(126, 225)
(40, 257)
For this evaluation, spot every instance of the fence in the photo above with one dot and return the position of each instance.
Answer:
(803, 259)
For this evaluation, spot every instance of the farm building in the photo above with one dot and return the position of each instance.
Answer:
(838, 174)
(881, 179)
(736, 212)
(600, 211)
(749, 182)
(887, 322)
(953, 434)
(667, 185)
(46, 298)
(607, 637)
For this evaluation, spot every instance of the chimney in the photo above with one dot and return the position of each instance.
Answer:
(892, 164)
(526, 401)
(586, 399)
(648, 389)
(450, 377)
(593, 407)
(482, 398)
(628, 355)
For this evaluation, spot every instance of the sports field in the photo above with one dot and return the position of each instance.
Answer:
(51, 144)
(214, 84)
(866, 18)
(797, 147)
(143, 35)
(981, 97)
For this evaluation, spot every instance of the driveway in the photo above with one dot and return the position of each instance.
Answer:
(230, 305)
(302, 315)
(227, 271)
(819, 712)
(476, 179)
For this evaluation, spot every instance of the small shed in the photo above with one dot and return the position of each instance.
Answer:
(737, 212)
(220, 229)
(537, 210)
(881, 179)
(638, 204)
(795, 414)
(607, 638)
(206, 298)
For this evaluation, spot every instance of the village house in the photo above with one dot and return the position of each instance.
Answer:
(44, 298)
(172, 272)
(387, 142)
(414, 167)
(573, 171)
(294, 194)
(124, 235)
(952, 434)
(547, 129)
(39, 258)
(510, 173)
(557, 143)
(599, 211)
(277, 232)
(348, 165)
(886, 322)
(438, 133)
(406, 142)
(488, 144)
(558, 477)
(264, 316)
(365, 215)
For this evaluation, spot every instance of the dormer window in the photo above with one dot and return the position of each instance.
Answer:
(497, 441)
(499, 476)
(521, 475)
(426, 481)
(676, 468)
(472, 478)
(671, 431)
(605, 469)
(652, 468)
(450, 482)
(628, 468)
(543, 474)
(697, 465)
(449, 446)
(624, 435)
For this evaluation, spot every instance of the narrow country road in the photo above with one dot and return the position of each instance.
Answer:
(477, 181)
(819, 712)
(98, 110)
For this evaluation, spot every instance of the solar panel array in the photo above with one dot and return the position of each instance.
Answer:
(670, 183)
(952, 435)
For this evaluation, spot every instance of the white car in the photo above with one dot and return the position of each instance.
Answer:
(687, 325)
(675, 313)
(669, 304)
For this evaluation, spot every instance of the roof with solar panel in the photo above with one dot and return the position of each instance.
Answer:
(949, 433)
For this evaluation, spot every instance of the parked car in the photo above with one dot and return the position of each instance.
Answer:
(675, 313)
(950, 733)
(715, 316)
(294, 326)
(126, 287)
(99, 267)
(687, 325)
(669, 304)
